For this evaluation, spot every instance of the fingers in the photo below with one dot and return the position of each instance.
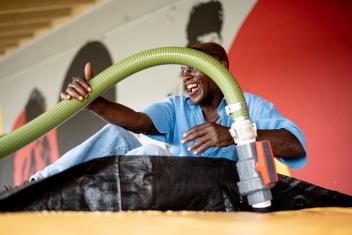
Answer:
(207, 135)
(74, 94)
(193, 133)
(199, 135)
(65, 96)
(201, 145)
(78, 89)
(81, 84)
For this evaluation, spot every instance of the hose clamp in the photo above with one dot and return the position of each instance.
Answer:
(231, 108)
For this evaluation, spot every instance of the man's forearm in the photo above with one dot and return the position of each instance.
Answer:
(283, 142)
(123, 116)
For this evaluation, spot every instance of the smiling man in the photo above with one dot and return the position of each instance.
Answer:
(193, 125)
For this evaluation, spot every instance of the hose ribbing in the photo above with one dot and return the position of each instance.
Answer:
(61, 112)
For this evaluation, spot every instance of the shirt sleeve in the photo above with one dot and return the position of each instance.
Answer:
(162, 114)
(267, 117)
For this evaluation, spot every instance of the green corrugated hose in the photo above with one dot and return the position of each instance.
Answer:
(61, 112)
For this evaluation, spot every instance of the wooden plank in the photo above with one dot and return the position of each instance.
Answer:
(17, 33)
(15, 38)
(8, 49)
(12, 40)
(13, 6)
(6, 44)
(22, 29)
(10, 19)
(20, 21)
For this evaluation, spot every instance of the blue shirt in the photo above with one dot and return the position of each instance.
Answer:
(175, 115)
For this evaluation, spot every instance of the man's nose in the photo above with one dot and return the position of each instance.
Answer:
(186, 75)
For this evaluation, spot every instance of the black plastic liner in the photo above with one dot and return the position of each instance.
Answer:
(158, 183)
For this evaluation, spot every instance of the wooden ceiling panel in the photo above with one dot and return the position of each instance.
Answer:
(21, 29)
(14, 38)
(11, 6)
(5, 44)
(21, 21)
(13, 19)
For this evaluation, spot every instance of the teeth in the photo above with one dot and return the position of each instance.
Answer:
(191, 86)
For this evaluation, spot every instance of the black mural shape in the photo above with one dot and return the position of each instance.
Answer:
(35, 106)
(204, 25)
(84, 124)
(205, 18)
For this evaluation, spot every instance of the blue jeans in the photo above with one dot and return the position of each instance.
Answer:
(111, 140)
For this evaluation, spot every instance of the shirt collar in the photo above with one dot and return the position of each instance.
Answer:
(220, 109)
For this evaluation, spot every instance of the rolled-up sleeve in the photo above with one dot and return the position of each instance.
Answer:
(163, 116)
(267, 117)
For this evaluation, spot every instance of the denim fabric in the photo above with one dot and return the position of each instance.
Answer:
(111, 140)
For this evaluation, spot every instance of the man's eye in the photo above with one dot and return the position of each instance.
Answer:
(190, 70)
(186, 68)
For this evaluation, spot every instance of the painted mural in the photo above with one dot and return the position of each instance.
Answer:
(19, 166)
(45, 150)
(205, 23)
(41, 152)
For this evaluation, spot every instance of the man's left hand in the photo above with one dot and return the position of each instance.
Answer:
(207, 135)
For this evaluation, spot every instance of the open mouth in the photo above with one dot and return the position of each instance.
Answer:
(192, 88)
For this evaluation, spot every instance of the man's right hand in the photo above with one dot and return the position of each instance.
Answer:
(79, 87)
(110, 111)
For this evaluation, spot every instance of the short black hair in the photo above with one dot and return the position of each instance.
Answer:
(213, 49)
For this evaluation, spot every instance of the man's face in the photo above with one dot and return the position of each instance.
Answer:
(200, 88)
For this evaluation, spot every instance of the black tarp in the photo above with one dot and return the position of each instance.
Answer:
(158, 183)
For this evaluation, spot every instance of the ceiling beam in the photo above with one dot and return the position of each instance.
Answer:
(12, 19)
(5, 49)
(22, 29)
(15, 38)
(8, 44)
(21, 21)
(20, 34)
(20, 6)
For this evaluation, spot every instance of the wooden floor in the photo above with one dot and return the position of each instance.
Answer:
(310, 221)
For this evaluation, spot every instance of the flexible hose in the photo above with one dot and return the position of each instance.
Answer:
(61, 112)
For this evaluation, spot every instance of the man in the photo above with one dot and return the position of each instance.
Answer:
(193, 125)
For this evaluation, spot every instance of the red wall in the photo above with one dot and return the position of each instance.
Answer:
(298, 54)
